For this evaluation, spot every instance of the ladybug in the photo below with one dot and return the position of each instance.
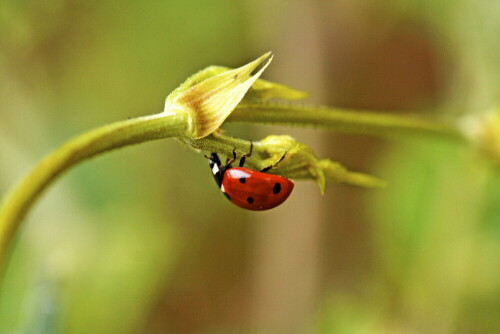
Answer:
(247, 188)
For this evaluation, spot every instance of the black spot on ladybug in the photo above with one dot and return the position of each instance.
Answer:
(277, 188)
(250, 200)
(243, 179)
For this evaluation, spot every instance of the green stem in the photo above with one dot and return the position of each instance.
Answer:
(17, 202)
(346, 120)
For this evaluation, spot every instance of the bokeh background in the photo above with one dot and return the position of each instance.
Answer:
(141, 241)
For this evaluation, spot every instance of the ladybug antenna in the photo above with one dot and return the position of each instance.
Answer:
(265, 169)
(214, 159)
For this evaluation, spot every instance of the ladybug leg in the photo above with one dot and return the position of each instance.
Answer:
(242, 160)
(265, 169)
(230, 161)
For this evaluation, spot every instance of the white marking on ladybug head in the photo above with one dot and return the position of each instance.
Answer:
(215, 169)
(222, 188)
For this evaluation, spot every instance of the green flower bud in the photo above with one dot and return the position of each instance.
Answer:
(209, 97)
(301, 163)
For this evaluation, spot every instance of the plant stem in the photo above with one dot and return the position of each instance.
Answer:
(346, 120)
(17, 202)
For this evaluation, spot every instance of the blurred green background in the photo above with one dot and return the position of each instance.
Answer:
(141, 240)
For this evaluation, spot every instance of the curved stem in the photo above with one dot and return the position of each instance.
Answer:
(346, 120)
(17, 202)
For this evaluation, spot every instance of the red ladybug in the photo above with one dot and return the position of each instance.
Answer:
(247, 188)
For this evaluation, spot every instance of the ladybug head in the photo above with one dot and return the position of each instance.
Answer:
(215, 166)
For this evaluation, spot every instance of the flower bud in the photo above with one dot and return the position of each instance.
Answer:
(301, 163)
(211, 95)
